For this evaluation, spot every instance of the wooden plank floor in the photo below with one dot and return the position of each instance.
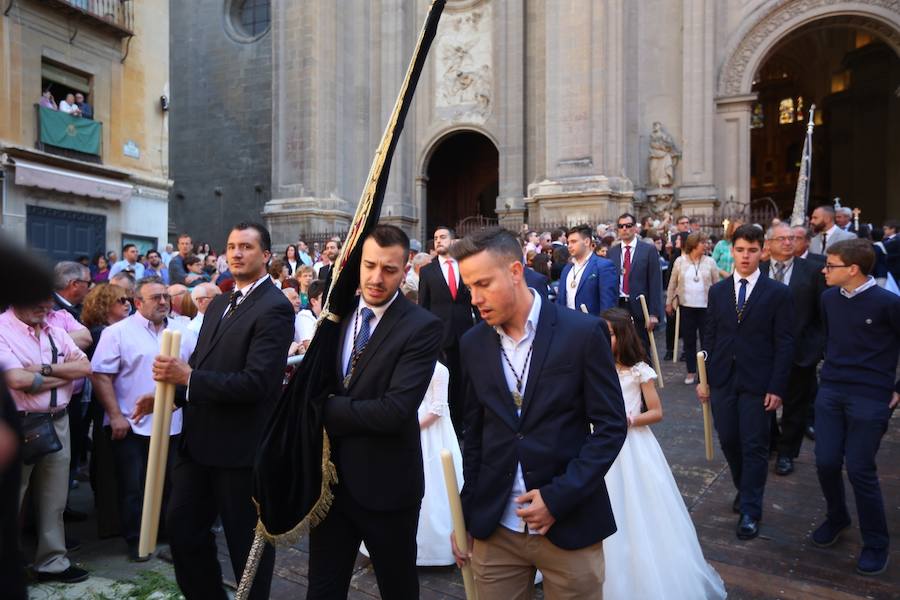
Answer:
(780, 563)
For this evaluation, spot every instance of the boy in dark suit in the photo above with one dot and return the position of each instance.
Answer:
(750, 348)
(857, 395)
(588, 279)
(543, 426)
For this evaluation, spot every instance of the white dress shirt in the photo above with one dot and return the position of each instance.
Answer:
(517, 352)
(573, 280)
(247, 289)
(443, 260)
(788, 269)
(633, 245)
(751, 283)
(357, 319)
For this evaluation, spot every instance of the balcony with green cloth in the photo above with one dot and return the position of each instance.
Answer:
(65, 135)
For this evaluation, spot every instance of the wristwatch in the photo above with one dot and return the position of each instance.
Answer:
(46, 370)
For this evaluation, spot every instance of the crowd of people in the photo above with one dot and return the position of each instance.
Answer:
(551, 446)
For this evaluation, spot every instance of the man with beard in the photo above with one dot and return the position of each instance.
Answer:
(443, 292)
(155, 267)
(827, 232)
(332, 250)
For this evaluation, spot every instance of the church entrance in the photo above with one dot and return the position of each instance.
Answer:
(463, 182)
(852, 77)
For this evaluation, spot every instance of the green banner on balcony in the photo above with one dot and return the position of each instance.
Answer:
(65, 131)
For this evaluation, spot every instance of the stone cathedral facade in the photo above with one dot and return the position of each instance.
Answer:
(559, 111)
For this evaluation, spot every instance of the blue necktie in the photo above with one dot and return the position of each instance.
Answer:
(362, 337)
(742, 295)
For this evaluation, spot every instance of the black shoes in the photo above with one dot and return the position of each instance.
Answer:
(747, 527)
(134, 555)
(736, 504)
(784, 465)
(71, 575)
(828, 533)
(810, 432)
(872, 561)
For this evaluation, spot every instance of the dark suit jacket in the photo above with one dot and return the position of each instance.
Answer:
(58, 304)
(373, 424)
(758, 351)
(892, 249)
(238, 366)
(434, 296)
(597, 288)
(645, 278)
(538, 282)
(807, 284)
(565, 394)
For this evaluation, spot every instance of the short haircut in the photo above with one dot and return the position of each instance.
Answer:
(694, 221)
(557, 233)
(627, 216)
(749, 233)
(806, 231)
(304, 269)
(827, 209)
(153, 279)
(496, 240)
(191, 260)
(844, 211)
(204, 288)
(420, 258)
(692, 241)
(184, 236)
(448, 229)
(390, 235)
(153, 251)
(683, 218)
(584, 230)
(892, 224)
(334, 241)
(67, 271)
(316, 289)
(265, 240)
(123, 275)
(292, 283)
(126, 247)
(857, 252)
(771, 232)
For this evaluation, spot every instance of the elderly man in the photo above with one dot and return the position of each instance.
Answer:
(42, 362)
(123, 371)
(202, 294)
(827, 233)
(411, 283)
(72, 281)
(87, 111)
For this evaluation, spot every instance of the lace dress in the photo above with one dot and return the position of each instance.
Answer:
(655, 552)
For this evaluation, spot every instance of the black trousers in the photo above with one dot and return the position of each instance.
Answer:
(130, 455)
(390, 538)
(199, 494)
(795, 408)
(693, 322)
(455, 394)
(743, 426)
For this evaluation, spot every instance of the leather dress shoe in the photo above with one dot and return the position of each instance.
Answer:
(736, 504)
(810, 432)
(784, 466)
(872, 561)
(828, 533)
(747, 527)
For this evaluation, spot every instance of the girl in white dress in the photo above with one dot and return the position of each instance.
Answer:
(655, 552)
(436, 430)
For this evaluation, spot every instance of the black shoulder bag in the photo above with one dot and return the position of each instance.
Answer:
(39, 434)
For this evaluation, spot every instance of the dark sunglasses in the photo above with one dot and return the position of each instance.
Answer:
(123, 301)
(625, 225)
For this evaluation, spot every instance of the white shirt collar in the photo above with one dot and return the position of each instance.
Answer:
(834, 228)
(445, 259)
(751, 278)
(870, 282)
(378, 310)
(530, 324)
(247, 288)
(63, 300)
(632, 244)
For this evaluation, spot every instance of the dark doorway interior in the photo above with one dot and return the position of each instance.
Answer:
(852, 78)
(463, 180)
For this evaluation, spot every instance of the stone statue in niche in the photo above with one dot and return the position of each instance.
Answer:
(664, 155)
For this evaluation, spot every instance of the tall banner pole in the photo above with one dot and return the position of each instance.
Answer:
(801, 196)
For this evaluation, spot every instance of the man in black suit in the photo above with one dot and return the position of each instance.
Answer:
(332, 250)
(543, 426)
(806, 283)
(750, 348)
(639, 274)
(226, 391)
(72, 281)
(443, 292)
(387, 358)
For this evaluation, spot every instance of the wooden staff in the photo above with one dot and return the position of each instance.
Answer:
(659, 377)
(707, 415)
(677, 330)
(170, 345)
(459, 523)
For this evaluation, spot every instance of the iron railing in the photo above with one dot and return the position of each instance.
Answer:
(116, 15)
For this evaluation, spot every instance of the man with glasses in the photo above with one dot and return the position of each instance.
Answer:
(857, 395)
(123, 372)
(806, 283)
(72, 281)
(202, 294)
(639, 274)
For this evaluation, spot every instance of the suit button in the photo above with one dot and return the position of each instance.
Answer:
(519, 436)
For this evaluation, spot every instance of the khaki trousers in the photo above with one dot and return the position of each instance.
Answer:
(504, 567)
(49, 480)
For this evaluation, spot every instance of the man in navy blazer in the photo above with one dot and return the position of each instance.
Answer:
(588, 280)
(638, 274)
(750, 345)
(543, 426)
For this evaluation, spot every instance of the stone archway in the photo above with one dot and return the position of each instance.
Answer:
(751, 46)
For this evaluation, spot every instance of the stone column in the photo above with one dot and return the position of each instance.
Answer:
(509, 56)
(696, 191)
(732, 139)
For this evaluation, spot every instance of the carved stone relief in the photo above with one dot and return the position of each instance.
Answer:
(463, 74)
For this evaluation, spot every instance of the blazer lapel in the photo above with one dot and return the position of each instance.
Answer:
(242, 309)
(501, 395)
(759, 290)
(543, 339)
(438, 274)
(589, 269)
(211, 321)
(390, 318)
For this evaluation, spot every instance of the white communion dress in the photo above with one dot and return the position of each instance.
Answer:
(655, 552)
(435, 522)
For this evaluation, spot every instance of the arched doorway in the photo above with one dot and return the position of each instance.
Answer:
(851, 76)
(463, 180)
